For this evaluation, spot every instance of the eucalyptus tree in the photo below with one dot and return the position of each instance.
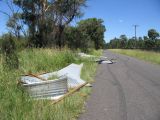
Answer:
(93, 30)
(123, 41)
(33, 14)
(14, 24)
(48, 17)
(63, 12)
(153, 34)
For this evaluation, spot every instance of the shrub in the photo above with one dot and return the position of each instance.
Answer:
(10, 59)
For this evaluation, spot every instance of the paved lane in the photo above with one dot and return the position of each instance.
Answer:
(126, 90)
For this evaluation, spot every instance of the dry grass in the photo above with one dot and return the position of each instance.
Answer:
(150, 56)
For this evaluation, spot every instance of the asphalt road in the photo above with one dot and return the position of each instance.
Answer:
(126, 90)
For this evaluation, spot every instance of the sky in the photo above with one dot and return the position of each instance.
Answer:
(119, 16)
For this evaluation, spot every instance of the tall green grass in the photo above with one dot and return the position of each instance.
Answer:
(150, 56)
(15, 103)
(41, 60)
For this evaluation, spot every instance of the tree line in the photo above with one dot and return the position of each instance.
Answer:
(87, 34)
(150, 42)
(46, 23)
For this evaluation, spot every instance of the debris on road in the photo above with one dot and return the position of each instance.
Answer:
(104, 62)
(98, 59)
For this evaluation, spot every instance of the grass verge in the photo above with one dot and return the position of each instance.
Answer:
(16, 104)
(150, 56)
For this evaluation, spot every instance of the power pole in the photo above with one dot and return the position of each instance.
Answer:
(135, 29)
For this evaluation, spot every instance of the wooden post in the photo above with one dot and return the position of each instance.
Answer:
(70, 93)
(37, 76)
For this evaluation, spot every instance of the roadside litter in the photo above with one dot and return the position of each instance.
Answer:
(99, 60)
(72, 72)
(51, 89)
(104, 62)
(56, 85)
(39, 87)
(85, 55)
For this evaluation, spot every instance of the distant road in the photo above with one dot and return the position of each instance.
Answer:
(126, 90)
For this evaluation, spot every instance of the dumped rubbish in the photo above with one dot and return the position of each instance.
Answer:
(27, 79)
(99, 60)
(47, 89)
(85, 55)
(40, 87)
(72, 72)
(105, 61)
(70, 93)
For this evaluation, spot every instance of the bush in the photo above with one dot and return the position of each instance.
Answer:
(10, 59)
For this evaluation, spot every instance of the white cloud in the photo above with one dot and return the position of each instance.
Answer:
(121, 21)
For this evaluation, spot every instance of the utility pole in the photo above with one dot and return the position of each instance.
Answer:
(135, 29)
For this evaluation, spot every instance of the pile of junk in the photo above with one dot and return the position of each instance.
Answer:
(57, 85)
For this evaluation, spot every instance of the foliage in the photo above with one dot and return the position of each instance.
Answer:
(47, 19)
(88, 34)
(153, 34)
(19, 43)
(150, 42)
(10, 59)
(65, 11)
(46, 23)
(16, 104)
(15, 25)
(93, 29)
(73, 37)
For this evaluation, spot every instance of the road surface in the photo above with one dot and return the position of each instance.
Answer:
(126, 90)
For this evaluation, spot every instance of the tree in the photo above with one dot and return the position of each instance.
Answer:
(93, 30)
(153, 34)
(34, 15)
(150, 42)
(71, 39)
(114, 43)
(123, 41)
(14, 23)
(48, 17)
(140, 43)
(63, 12)
(131, 44)
(10, 58)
